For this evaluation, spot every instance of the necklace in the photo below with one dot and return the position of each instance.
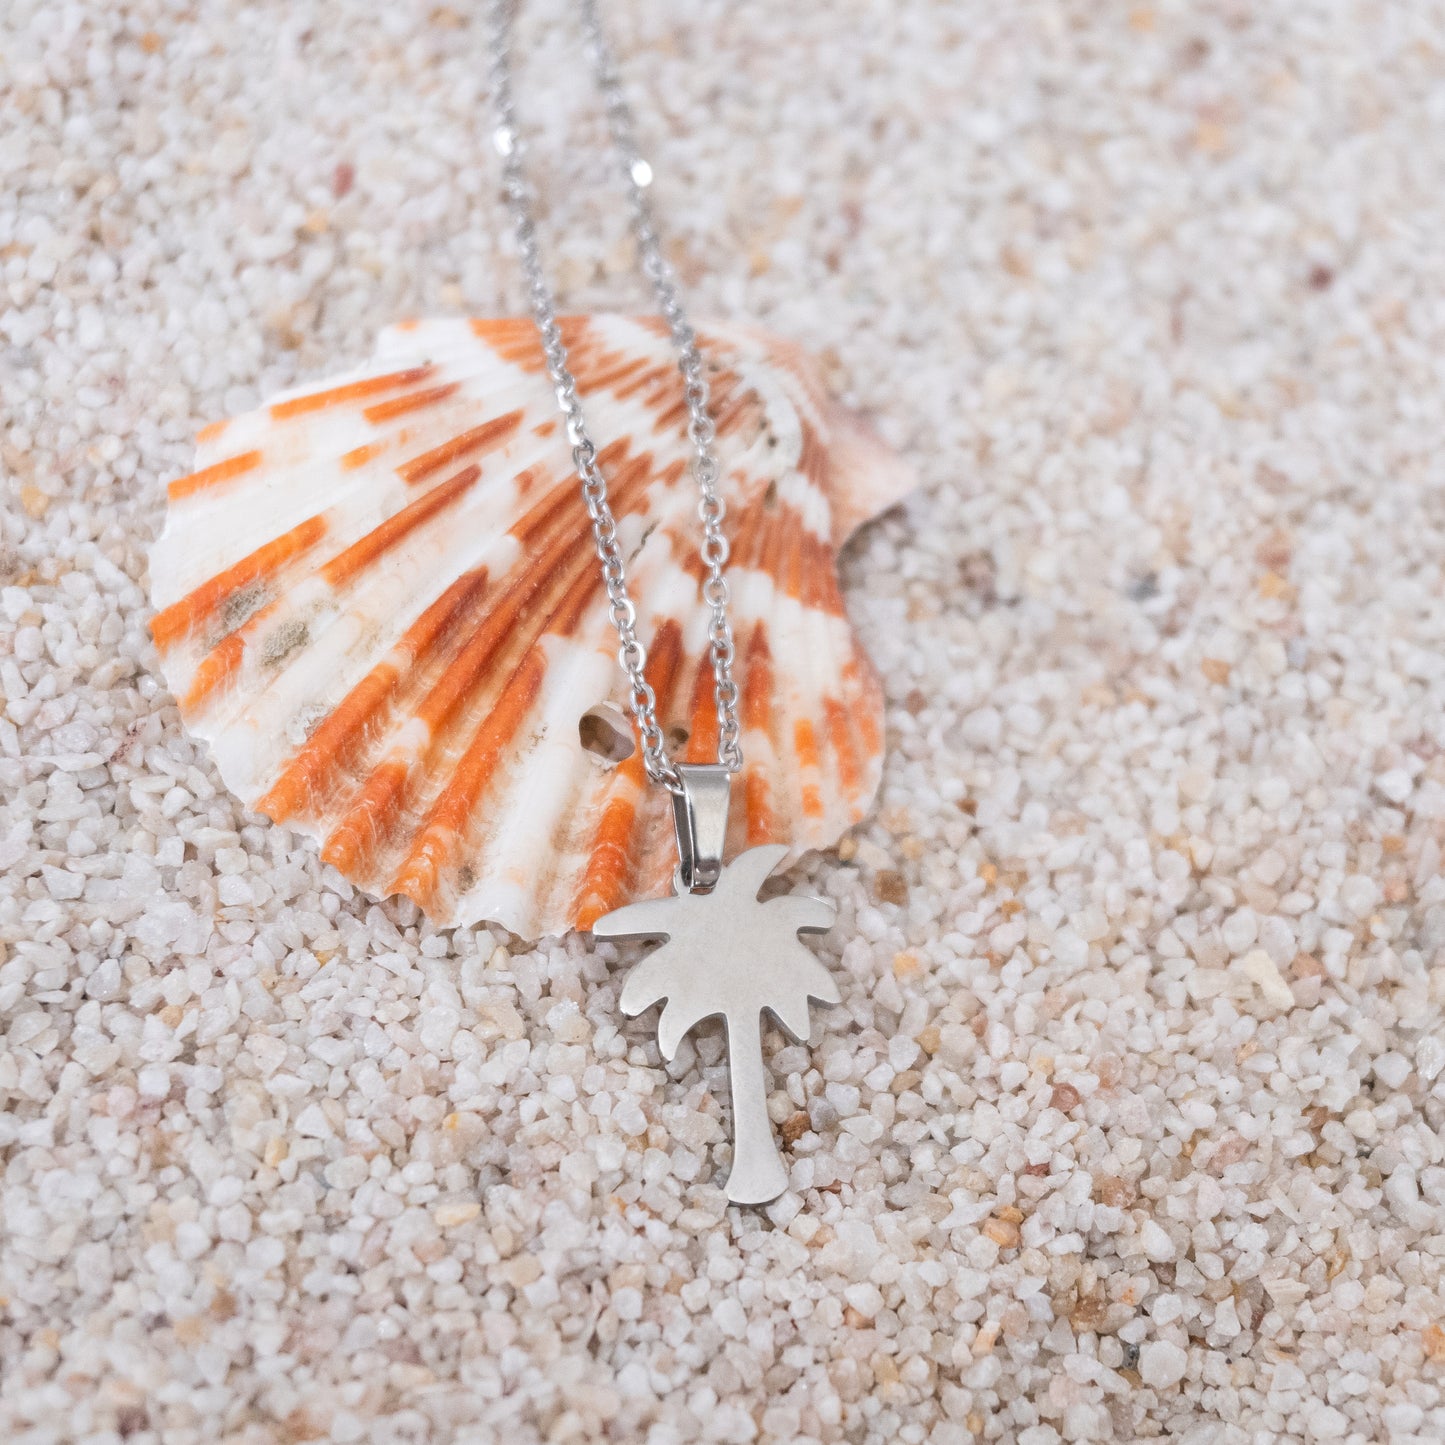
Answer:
(373, 604)
(723, 952)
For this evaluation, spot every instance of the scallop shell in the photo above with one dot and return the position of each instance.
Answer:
(378, 602)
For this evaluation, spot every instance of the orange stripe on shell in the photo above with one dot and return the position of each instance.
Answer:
(840, 737)
(758, 814)
(608, 864)
(468, 443)
(513, 338)
(359, 456)
(182, 618)
(220, 665)
(702, 715)
(310, 774)
(805, 745)
(439, 839)
(546, 592)
(862, 682)
(213, 475)
(608, 867)
(757, 715)
(369, 817)
(412, 401)
(351, 391)
(392, 532)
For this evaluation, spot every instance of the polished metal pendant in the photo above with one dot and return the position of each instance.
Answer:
(724, 952)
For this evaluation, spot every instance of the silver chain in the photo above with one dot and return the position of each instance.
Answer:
(637, 177)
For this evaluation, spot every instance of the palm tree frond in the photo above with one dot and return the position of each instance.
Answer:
(792, 1013)
(749, 871)
(817, 979)
(802, 914)
(672, 1027)
(649, 981)
(652, 918)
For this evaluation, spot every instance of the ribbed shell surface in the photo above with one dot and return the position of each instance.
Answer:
(378, 601)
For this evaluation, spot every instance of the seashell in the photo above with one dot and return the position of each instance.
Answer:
(379, 603)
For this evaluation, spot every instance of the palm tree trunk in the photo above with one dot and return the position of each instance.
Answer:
(758, 1174)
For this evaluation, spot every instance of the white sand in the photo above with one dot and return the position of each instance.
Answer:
(1130, 1126)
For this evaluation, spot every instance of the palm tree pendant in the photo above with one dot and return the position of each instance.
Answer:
(727, 953)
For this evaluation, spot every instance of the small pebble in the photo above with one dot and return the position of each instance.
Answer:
(1162, 1364)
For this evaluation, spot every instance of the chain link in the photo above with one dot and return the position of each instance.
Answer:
(711, 508)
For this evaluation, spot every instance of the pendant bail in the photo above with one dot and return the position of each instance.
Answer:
(700, 815)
